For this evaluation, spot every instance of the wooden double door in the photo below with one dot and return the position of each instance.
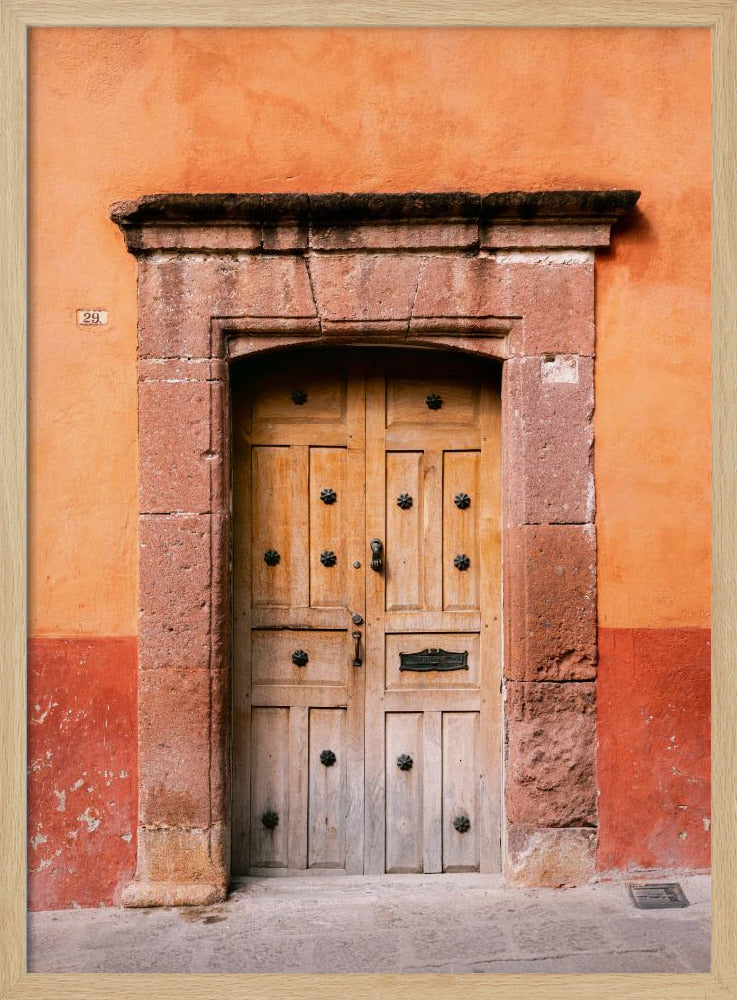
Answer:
(367, 573)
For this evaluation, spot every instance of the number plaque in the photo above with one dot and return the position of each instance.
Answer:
(92, 317)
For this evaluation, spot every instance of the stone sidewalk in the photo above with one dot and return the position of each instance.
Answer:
(393, 923)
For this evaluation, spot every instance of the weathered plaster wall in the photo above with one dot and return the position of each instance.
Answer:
(119, 113)
(82, 765)
(654, 781)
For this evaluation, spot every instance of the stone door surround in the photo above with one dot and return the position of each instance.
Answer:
(222, 277)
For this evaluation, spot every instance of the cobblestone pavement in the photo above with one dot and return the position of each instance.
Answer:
(394, 923)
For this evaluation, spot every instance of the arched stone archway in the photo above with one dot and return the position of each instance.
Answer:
(227, 276)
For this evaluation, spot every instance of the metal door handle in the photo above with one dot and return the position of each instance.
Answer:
(357, 661)
(377, 550)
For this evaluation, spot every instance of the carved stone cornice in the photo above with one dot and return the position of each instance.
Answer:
(285, 222)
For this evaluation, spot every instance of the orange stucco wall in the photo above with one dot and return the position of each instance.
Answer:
(117, 113)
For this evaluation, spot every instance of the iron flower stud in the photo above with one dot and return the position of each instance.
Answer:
(270, 819)
(434, 401)
(300, 658)
(404, 500)
(461, 562)
(299, 397)
(272, 557)
(328, 758)
(404, 762)
(462, 824)
(462, 501)
(328, 496)
(328, 558)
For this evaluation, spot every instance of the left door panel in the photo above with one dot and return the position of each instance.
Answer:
(298, 504)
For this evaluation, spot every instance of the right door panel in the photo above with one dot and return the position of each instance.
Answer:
(433, 617)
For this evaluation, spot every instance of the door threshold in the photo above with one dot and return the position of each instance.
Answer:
(290, 873)
(340, 880)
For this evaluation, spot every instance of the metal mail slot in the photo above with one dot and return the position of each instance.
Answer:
(433, 659)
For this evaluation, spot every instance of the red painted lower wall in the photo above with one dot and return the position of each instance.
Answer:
(653, 727)
(82, 770)
(653, 766)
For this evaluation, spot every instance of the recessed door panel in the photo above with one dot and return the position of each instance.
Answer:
(327, 803)
(460, 531)
(271, 527)
(404, 784)
(456, 655)
(461, 824)
(446, 393)
(327, 530)
(300, 658)
(270, 787)
(300, 394)
(404, 530)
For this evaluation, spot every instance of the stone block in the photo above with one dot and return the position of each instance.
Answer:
(174, 308)
(180, 449)
(274, 331)
(396, 236)
(550, 603)
(377, 331)
(355, 287)
(182, 370)
(284, 222)
(461, 286)
(144, 894)
(285, 237)
(554, 292)
(542, 236)
(550, 439)
(193, 238)
(178, 294)
(548, 858)
(241, 345)
(264, 286)
(495, 347)
(178, 603)
(175, 738)
(551, 754)
(181, 857)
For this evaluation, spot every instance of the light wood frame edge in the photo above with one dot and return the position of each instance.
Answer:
(16, 17)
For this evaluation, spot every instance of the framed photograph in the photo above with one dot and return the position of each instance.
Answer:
(362, 372)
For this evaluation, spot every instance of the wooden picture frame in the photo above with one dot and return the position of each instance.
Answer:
(16, 16)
